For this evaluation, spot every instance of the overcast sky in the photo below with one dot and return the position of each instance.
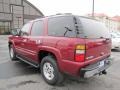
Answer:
(79, 7)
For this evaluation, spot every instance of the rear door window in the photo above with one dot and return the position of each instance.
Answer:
(61, 26)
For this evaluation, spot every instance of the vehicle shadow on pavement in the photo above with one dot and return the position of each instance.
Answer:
(16, 68)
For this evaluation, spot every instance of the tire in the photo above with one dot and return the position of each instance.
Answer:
(50, 71)
(12, 53)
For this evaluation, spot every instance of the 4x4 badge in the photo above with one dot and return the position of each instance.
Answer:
(102, 53)
(38, 42)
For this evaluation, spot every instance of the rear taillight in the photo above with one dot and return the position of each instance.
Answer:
(80, 53)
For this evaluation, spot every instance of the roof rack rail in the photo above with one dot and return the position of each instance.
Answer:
(64, 13)
(89, 18)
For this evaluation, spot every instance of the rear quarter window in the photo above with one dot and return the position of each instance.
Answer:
(57, 26)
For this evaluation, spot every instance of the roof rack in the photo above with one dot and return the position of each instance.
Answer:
(64, 13)
(89, 18)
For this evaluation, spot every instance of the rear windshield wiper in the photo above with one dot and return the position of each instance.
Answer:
(67, 29)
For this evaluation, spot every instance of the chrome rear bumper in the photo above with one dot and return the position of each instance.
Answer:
(96, 68)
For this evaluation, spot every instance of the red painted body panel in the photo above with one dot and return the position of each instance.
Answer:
(63, 48)
(97, 47)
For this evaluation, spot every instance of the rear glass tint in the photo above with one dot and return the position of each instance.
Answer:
(61, 26)
(94, 29)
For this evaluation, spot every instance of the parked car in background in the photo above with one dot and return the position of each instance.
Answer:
(115, 40)
(63, 44)
(118, 33)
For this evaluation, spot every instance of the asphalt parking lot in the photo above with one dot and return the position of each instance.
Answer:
(20, 76)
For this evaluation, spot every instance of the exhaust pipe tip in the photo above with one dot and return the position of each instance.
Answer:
(104, 72)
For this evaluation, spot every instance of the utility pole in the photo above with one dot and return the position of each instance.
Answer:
(93, 6)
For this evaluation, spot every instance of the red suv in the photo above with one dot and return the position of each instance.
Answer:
(63, 44)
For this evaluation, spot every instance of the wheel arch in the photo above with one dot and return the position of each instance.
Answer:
(43, 53)
(54, 53)
(9, 43)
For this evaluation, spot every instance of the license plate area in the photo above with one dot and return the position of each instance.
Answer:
(101, 63)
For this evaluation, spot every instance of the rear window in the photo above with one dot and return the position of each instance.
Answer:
(93, 29)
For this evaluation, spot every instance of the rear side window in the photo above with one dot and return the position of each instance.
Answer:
(61, 26)
(94, 29)
(37, 28)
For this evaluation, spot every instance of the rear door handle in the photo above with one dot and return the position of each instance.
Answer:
(107, 41)
(22, 44)
(24, 40)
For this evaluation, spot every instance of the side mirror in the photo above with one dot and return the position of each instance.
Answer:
(15, 32)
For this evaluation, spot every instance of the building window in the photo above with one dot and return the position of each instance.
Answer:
(4, 27)
(27, 10)
(6, 8)
(12, 1)
(6, 1)
(19, 2)
(1, 7)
